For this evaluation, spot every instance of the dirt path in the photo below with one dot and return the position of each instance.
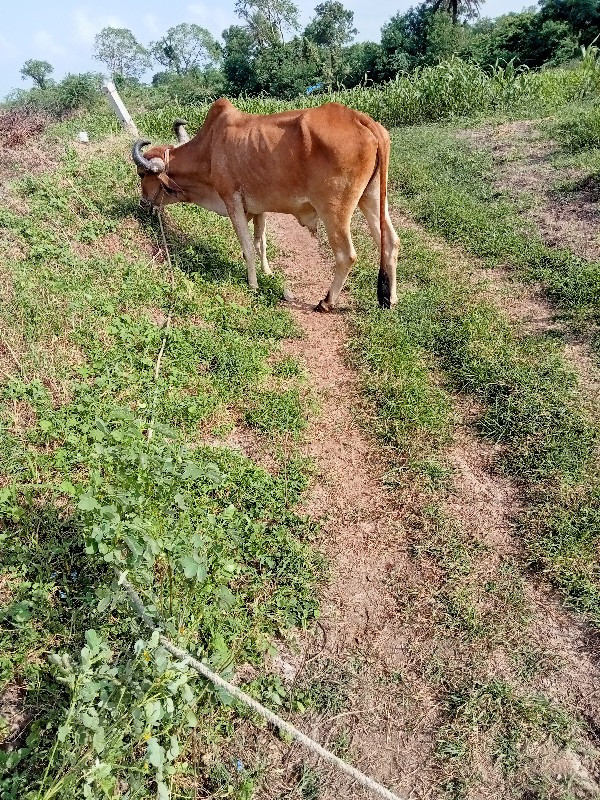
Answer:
(363, 539)
(378, 640)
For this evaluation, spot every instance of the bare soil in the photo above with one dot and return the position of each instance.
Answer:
(380, 636)
(524, 160)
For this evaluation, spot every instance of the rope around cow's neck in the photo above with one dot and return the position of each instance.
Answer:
(186, 658)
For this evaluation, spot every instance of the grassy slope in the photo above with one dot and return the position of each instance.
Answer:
(210, 539)
(447, 340)
(88, 311)
(448, 186)
(530, 397)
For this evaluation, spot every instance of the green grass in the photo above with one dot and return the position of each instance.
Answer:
(581, 131)
(210, 540)
(508, 723)
(449, 187)
(444, 339)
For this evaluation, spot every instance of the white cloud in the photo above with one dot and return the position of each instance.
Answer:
(151, 24)
(7, 48)
(47, 45)
(88, 25)
(213, 18)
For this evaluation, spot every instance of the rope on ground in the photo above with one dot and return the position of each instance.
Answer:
(167, 323)
(235, 691)
(186, 658)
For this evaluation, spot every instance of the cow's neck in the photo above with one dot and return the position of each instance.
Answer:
(189, 165)
(190, 168)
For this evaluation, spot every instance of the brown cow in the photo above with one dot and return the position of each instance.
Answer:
(316, 163)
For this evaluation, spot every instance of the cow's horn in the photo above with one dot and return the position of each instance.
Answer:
(156, 165)
(180, 131)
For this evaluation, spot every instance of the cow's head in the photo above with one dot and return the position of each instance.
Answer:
(158, 187)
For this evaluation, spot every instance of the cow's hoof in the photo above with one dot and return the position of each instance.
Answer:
(288, 296)
(323, 307)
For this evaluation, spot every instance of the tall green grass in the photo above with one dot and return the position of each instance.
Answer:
(449, 89)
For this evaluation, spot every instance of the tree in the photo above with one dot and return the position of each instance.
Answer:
(121, 52)
(404, 40)
(444, 38)
(192, 87)
(268, 19)
(582, 15)
(38, 71)
(332, 25)
(524, 37)
(286, 70)
(238, 55)
(362, 62)
(185, 47)
(465, 8)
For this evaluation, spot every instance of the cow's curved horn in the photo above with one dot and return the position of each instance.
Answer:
(180, 131)
(156, 165)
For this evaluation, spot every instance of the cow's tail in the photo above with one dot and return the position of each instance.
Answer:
(383, 280)
(383, 160)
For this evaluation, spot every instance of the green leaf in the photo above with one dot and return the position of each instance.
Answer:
(93, 640)
(155, 754)
(21, 612)
(98, 740)
(180, 501)
(68, 488)
(45, 425)
(192, 472)
(162, 791)
(173, 750)
(194, 567)
(63, 732)
(89, 720)
(226, 597)
(87, 503)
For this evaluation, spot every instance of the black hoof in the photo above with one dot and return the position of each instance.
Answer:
(323, 308)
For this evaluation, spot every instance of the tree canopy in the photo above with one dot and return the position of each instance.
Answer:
(121, 53)
(268, 20)
(37, 70)
(185, 47)
(332, 26)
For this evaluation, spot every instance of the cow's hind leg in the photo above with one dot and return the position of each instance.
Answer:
(260, 241)
(340, 239)
(369, 205)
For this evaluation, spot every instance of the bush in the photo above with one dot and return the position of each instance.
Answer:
(75, 91)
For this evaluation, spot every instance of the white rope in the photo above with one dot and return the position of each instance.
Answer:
(235, 691)
(166, 325)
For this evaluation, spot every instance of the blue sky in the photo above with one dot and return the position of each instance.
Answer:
(62, 32)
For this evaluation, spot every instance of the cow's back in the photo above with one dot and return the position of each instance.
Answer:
(278, 161)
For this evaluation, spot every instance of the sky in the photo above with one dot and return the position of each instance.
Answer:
(62, 31)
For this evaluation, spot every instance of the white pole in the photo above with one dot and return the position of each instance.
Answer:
(118, 106)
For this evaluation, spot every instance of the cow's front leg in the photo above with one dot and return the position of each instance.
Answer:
(239, 220)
